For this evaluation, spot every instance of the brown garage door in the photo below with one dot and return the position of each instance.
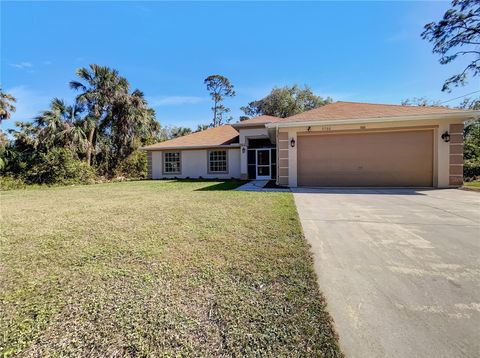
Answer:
(403, 158)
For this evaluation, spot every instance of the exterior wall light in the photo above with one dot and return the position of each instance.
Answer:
(446, 137)
(243, 149)
(292, 143)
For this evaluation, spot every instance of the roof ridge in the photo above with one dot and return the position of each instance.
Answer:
(224, 133)
(387, 104)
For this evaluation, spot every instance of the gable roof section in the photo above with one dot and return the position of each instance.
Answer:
(212, 137)
(263, 119)
(357, 110)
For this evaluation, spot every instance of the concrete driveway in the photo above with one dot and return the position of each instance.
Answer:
(400, 268)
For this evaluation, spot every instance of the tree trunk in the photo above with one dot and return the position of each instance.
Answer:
(90, 146)
(215, 114)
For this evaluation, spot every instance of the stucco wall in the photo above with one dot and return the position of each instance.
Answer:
(441, 149)
(194, 164)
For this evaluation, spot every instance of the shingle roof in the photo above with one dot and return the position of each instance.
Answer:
(260, 119)
(223, 135)
(357, 110)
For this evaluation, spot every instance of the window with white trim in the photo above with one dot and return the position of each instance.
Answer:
(171, 162)
(217, 161)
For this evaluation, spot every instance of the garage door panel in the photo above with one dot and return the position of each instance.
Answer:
(367, 159)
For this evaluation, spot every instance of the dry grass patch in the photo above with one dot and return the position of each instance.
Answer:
(157, 268)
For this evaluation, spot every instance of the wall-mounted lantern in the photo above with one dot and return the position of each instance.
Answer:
(243, 149)
(446, 137)
(292, 142)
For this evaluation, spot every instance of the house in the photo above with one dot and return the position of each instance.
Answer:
(342, 144)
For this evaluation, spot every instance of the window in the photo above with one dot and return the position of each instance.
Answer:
(171, 163)
(217, 161)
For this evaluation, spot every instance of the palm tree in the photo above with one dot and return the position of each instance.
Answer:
(49, 124)
(61, 125)
(6, 106)
(180, 132)
(102, 88)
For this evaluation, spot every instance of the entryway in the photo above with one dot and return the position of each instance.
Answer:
(263, 164)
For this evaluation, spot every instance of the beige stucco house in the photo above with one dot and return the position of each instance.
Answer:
(343, 144)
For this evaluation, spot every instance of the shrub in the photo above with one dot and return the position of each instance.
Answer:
(471, 170)
(60, 166)
(10, 183)
(134, 166)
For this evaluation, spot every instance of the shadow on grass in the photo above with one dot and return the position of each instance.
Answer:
(225, 185)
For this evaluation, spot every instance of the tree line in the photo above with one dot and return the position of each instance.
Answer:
(100, 133)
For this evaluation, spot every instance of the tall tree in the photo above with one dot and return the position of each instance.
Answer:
(284, 102)
(6, 105)
(457, 34)
(176, 132)
(202, 127)
(419, 101)
(219, 87)
(470, 103)
(61, 125)
(101, 88)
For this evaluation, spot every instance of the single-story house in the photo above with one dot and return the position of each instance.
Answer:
(342, 144)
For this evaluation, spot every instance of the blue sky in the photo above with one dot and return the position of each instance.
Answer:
(351, 51)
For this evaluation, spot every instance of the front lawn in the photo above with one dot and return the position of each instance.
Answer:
(157, 268)
(472, 184)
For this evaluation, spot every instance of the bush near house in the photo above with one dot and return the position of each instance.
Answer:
(471, 151)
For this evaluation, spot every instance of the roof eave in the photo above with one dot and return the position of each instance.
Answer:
(148, 148)
(466, 115)
(246, 125)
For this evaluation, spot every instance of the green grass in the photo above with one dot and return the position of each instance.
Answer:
(472, 184)
(157, 268)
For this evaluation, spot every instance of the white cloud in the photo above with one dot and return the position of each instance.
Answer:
(175, 100)
(22, 65)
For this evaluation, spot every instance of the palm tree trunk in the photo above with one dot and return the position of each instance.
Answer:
(90, 146)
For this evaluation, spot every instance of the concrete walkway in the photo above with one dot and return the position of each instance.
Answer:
(400, 268)
(259, 185)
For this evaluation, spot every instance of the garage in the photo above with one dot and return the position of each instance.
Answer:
(391, 159)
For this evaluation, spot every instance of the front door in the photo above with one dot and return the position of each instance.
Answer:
(263, 164)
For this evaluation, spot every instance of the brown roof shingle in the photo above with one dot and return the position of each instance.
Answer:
(357, 110)
(222, 135)
(260, 120)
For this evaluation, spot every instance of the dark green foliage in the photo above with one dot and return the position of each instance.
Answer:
(134, 166)
(471, 170)
(457, 34)
(202, 127)
(471, 151)
(179, 132)
(11, 183)
(100, 134)
(284, 102)
(59, 165)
